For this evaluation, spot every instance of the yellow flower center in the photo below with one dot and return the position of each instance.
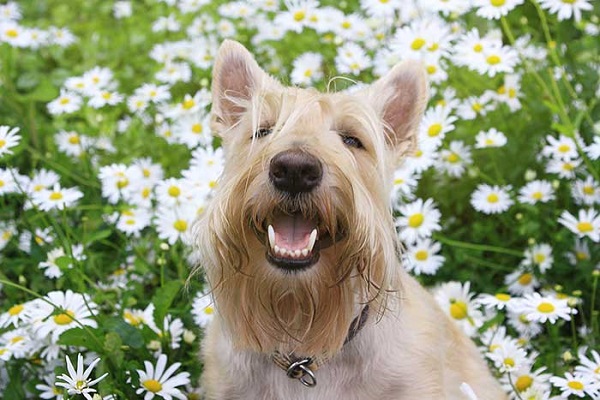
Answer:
(523, 383)
(121, 183)
(545, 307)
(501, 90)
(17, 339)
(537, 195)
(64, 100)
(589, 190)
(585, 227)
(563, 148)
(452, 158)
(187, 104)
(433, 47)
(431, 69)
(417, 44)
(434, 130)
(458, 310)
(418, 153)
(152, 385)
(209, 310)
(174, 191)
(512, 93)
(525, 279)
(64, 318)
(398, 181)
(106, 95)
(132, 319)
(502, 297)
(492, 198)
(145, 192)
(509, 362)
(308, 73)
(299, 15)
(477, 107)
(539, 258)
(74, 139)
(13, 33)
(569, 1)
(493, 59)
(421, 255)
(416, 220)
(197, 128)
(478, 48)
(497, 3)
(56, 196)
(15, 310)
(180, 225)
(2, 143)
(581, 256)
(212, 184)
(575, 384)
(346, 25)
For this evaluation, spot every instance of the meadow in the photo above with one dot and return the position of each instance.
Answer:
(106, 158)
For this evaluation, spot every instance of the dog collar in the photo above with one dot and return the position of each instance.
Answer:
(304, 368)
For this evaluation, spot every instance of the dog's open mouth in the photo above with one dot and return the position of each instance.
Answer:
(293, 241)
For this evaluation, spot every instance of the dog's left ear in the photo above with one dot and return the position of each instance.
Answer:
(400, 98)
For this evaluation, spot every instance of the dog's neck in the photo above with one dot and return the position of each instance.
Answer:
(303, 368)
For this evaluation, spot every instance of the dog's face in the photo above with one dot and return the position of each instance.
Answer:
(299, 231)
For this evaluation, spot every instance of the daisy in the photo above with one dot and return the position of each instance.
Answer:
(494, 9)
(8, 183)
(190, 105)
(61, 311)
(139, 318)
(70, 143)
(16, 315)
(66, 103)
(193, 130)
(497, 301)
(562, 148)
(525, 379)
(103, 98)
(77, 381)
(422, 258)
(491, 138)
(132, 221)
(521, 282)
(508, 358)
(541, 309)
(577, 385)
(8, 139)
(586, 192)
(580, 253)
(509, 92)
(307, 69)
(61, 36)
(593, 150)
(203, 309)
(419, 220)
(351, 59)
(122, 9)
(540, 255)
(174, 72)
(473, 107)
(566, 8)
(379, 8)
(423, 157)
(7, 231)
(589, 366)
(51, 268)
(456, 300)
(56, 198)
(491, 199)
(586, 224)
(455, 159)
(49, 390)
(536, 191)
(496, 59)
(173, 191)
(404, 184)
(525, 327)
(153, 93)
(156, 381)
(116, 181)
(296, 17)
(173, 224)
(436, 123)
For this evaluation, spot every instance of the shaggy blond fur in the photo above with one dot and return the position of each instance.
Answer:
(408, 348)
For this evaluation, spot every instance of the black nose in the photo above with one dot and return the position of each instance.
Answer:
(295, 171)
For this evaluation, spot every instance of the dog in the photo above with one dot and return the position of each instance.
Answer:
(299, 247)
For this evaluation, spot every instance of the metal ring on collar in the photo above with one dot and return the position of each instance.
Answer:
(307, 377)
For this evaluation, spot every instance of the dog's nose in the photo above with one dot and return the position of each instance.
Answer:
(295, 171)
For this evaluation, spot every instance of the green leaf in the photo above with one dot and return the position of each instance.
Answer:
(97, 236)
(63, 262)
(129, 335)
(163, 298)
(82, 338)
(44, 92)
(112, 346)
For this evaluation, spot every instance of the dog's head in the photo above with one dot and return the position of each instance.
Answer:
(299, 230)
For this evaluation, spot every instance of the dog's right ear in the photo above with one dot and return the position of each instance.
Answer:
(236, 78)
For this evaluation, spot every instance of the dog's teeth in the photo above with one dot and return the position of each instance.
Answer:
(271, 232)
(297, 253)
(304, 252)
(312, 240)
(276, 249)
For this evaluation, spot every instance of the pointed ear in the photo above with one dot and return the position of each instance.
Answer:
(400, 98)
(236, 78)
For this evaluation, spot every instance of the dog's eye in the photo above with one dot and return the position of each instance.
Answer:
(261, 132)
(352, 141)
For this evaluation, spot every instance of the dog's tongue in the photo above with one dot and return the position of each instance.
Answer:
(292, 232)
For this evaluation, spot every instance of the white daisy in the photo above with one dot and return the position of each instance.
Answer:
(521, 281)
(577, 385)
(455, 159)
(565, 168)
(562, 148)
(456, 300)
(436, 123)
(419, 219)
(536, 191)
(56, 198)
(540, 308)
(589, 366)
(494, 9)
(587, 223)
(580, 253)
(593, 149)
(77, 381)
(422, 257)
(66, 103)
(565, 9)
(307, 69)
(540, 255)
(491, 199)
(497, 301)
(491, 138)
(173, 223)
(508, 358)
(70, 143)
(158, 381)
(8, 139)
(203, 309)
(586, 192)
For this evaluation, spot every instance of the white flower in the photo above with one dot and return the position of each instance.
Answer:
(351, 59)
(586, 224)
(8, 139)
(77, 382)
(589, 366)
(540, 308)
(563, 148)
(565, 9)
(521, 281)
(498, 301)
(56, 198)
(419, 220)
(456, 300)
(586, 192)
(536, 191)
(508, 358)
(494, 9)
(160, 382)
(491, 199)
(540, 255)
(491, 138)
(203, 309)
(65, 103)
(422, 258)
(593, 149)
(577, 385)
(436, 123)
(307, 69)
(455, 159)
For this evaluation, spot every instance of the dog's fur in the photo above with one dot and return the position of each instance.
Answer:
(408, 348)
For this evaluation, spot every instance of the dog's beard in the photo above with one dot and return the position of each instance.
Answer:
(310, 311)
